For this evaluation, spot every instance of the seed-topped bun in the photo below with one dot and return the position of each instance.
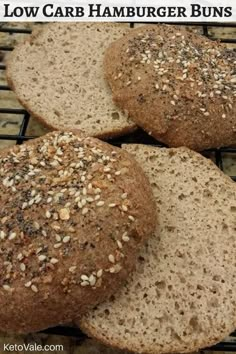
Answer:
(58, 76)
(74, 212)
(177, 85)
(181, 297)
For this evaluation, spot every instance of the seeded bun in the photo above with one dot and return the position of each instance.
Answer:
(177, 85)
(57, 74)
(181, 297)
(74, 212)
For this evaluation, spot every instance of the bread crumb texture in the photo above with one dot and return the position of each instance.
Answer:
(177, 85)
(182, 295)
(74, 212)
(57, 74)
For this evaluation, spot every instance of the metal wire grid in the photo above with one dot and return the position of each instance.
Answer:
(138, 137)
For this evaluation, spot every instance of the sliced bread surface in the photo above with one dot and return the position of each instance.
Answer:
(182, 295)
(57, 74)
(73, 213)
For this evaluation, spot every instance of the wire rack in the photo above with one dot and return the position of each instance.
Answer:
(138, 137)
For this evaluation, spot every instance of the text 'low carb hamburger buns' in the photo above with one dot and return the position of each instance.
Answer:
(57, 74)
(177, 85)
(182, 295)
(73, 214)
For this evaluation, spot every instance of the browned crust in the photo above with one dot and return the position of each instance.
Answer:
(189, 127)
(24, 311)
(107, 133)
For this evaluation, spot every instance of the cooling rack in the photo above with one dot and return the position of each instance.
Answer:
(138, 137)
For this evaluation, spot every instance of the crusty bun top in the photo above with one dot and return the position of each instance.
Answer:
(73, 213)
(177, 85)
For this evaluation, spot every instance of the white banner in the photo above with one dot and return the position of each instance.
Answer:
(120, 10)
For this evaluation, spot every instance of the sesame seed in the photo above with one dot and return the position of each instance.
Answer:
(84, 283)
(66, 239)
(107, 169)
(92, 280)
(33, 193)
(125, 237)
(100, 203)
(12, 236)
(99, 273)
(84, 211)
(20, 256)
(124, 208)
(28, 284)
(119, 244)
(48, 214)
(223, 116)
(42, 257)
(34, 288)
(54, 260)
(111, 258)
(24, 205)
(22, 267)
(173, 103)
(2, 235)
(31, 202)
(3, 220)
(84, 277)
(124, 196)
(90, 199)
(6, 287)
(57, 245)
(112, 205)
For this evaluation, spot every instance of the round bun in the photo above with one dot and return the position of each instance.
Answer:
(177, 85)
(74, 212)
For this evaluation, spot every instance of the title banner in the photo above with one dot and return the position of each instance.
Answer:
(120, 10)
